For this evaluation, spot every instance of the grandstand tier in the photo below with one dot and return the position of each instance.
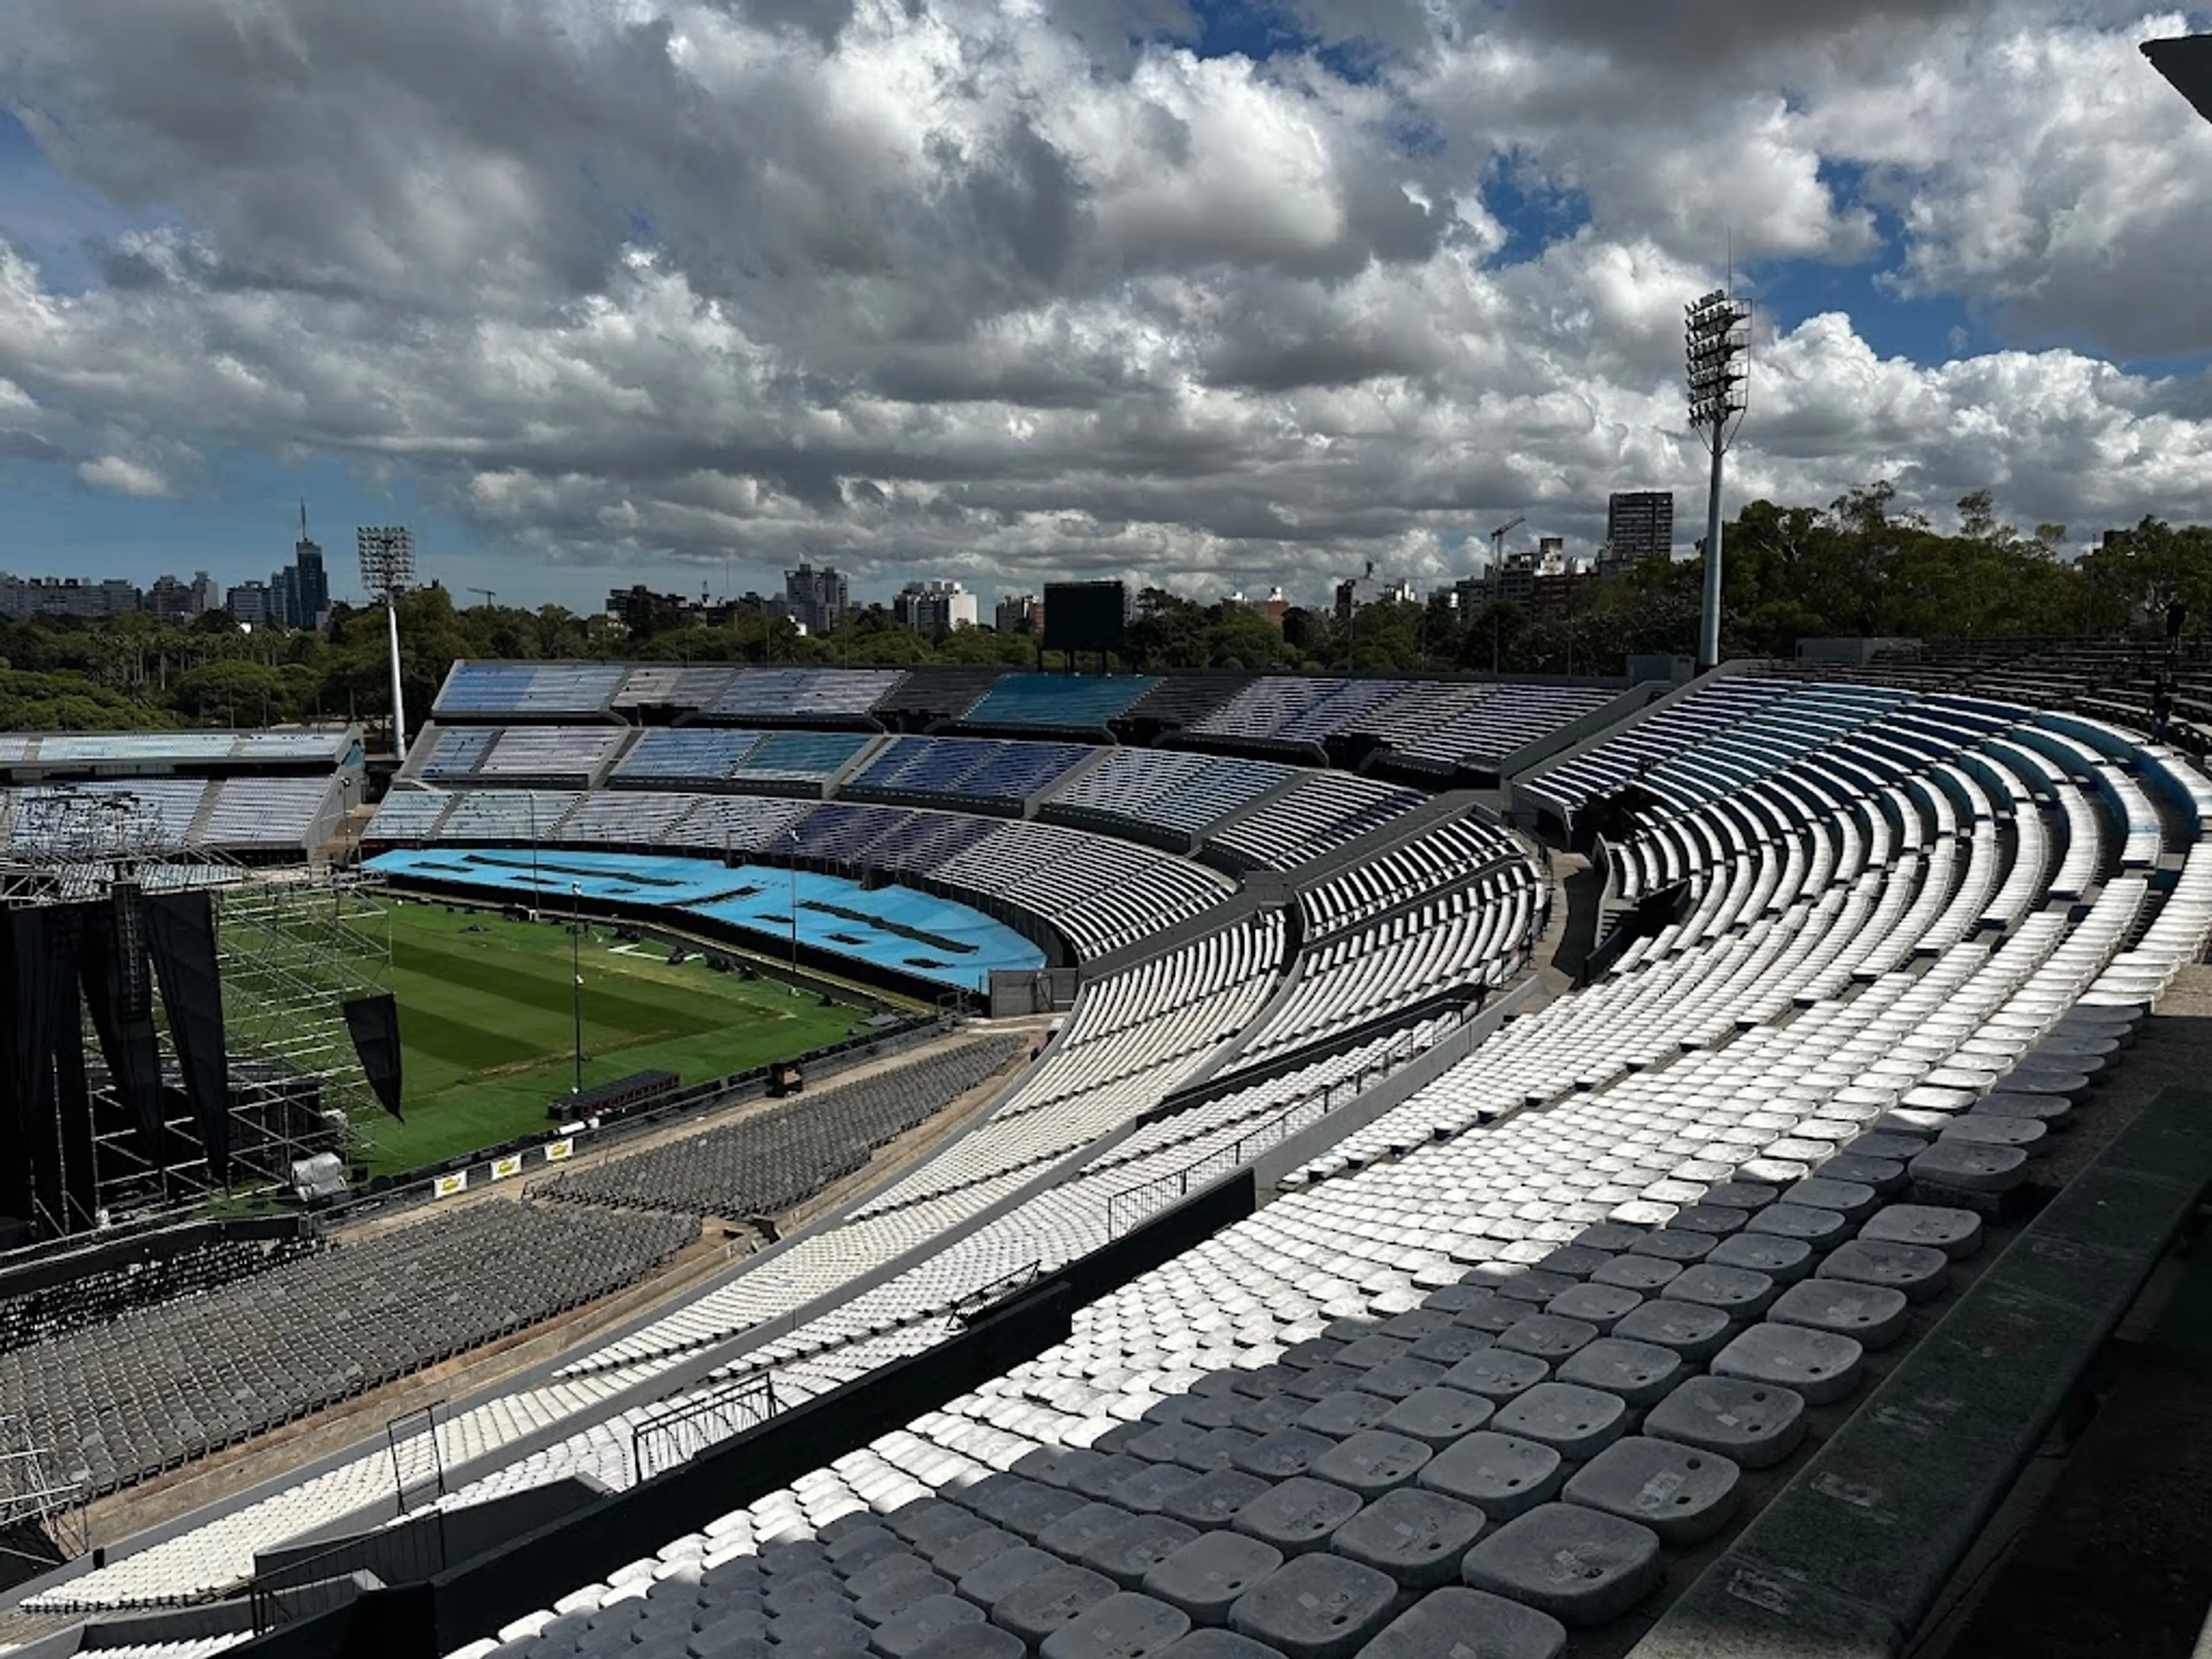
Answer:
(1439, 728)
(1062, 702)
(1477, 1333)
(255, 796)
(1591, 1276)
(920, 941)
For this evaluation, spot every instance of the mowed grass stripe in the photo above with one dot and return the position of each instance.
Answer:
(485, 1024)
(459, 1043)
(542, 984)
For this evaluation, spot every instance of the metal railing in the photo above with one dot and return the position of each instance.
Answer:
(972, 1305)
(418, 1465)
(409, 1552)
(1140, 1200)
(678, 1431)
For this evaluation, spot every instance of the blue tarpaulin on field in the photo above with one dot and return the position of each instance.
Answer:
(897, 927)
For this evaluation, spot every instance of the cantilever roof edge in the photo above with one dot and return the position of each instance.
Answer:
(2186, 61)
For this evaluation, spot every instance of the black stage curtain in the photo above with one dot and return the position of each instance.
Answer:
(112, 966)
(80, 1161)
(180, 938)
(41, 984)
(374, 1023)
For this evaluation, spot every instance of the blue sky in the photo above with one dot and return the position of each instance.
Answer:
(234, 508)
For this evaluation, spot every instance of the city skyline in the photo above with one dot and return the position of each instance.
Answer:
(896, 585)
(1212, 294)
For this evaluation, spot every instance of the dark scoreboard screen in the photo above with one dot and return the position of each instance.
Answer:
(1085, 615)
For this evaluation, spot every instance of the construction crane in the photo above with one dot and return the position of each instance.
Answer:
(488, 596)
(1497, 539)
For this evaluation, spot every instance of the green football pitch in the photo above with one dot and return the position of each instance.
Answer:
(487, 1033)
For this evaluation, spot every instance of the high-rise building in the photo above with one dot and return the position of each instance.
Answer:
(928, 606)
(299, 593)
(1544, 580)
(64, 596)
(641, 611)
(1019, 613)
(312, 579)
(284, 597)
(1639, 525)
(815, 599)
(175, 600)
(250, 604)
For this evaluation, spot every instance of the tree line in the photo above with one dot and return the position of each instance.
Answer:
(1860, 566)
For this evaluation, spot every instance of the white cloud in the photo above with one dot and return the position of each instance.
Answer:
(989, 290)
(125, 477)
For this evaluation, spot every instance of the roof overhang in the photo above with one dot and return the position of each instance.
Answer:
(2186, 62)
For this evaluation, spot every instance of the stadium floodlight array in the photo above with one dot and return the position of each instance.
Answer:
(387, 569)
(1717, 339)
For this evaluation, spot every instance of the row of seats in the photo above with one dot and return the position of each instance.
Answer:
(585, 756)
(965, 768)
(1462, 941)
(1063, 702)
(160, 1386)
(529, 689)
(798, 694)
(96, 1299)
(669, 756)
(250, 813)
(1445, 723)
(671, 685)
(1164, 789)
(769, 1162)
(1438, 857)
(1319, 813)
(240, 814)
(1449, 723)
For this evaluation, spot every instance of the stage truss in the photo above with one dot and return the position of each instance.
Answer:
(292, 944)
(34, 1496)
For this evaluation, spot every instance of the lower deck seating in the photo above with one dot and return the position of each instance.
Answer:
(160, 1386)
(98, 1299)
(1100, 893)
(83, 819)
(766, 1162)
(252, 813)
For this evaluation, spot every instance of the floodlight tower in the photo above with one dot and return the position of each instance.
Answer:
(387, 570)
(1717, 339)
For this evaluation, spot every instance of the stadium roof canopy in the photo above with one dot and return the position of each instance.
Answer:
(2186, 62)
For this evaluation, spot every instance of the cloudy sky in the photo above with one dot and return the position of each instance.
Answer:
(1215, 293)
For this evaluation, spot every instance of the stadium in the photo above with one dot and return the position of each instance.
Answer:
(784, 1161)
(1249, 1165)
